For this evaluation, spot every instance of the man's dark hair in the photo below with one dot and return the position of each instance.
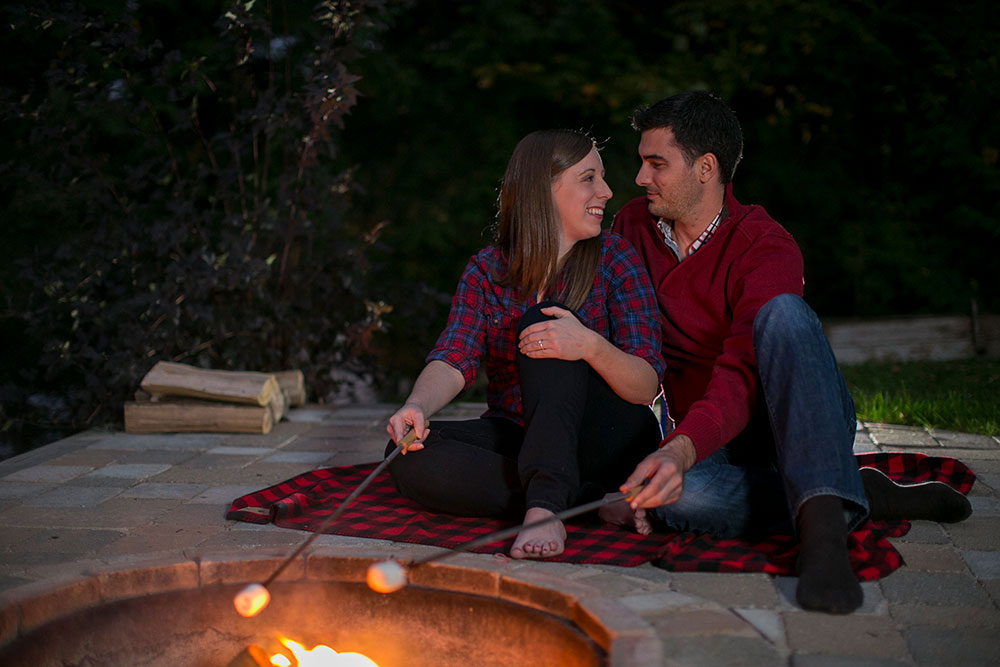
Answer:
(701, 123)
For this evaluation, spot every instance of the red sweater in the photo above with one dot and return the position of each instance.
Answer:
(708, 303)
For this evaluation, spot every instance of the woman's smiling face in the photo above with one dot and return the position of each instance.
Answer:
(578, 196)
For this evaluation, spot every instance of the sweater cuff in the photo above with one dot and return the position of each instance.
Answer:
(704, 433)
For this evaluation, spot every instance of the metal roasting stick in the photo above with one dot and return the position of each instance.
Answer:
(404, 442)
(390, 575)
(514, 530)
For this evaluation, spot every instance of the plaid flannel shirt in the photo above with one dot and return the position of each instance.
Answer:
(482, 324)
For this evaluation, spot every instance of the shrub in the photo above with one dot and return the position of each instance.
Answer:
(171, 190)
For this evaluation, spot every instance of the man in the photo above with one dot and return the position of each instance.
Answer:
(764, 422)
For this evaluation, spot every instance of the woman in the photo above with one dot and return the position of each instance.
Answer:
(563, 317)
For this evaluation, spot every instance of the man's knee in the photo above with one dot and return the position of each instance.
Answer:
(784, 315)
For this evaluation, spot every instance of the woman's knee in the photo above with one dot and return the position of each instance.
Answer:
(535, 315)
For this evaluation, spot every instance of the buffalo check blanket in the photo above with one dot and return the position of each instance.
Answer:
(379, 512)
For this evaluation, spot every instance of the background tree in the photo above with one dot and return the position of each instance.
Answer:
(871, 131)
(170, 192)
(213, 183)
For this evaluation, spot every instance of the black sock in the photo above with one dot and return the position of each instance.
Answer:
(827, 582)
(934, 501)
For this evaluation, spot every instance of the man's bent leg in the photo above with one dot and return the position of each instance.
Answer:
(809, 407)
(813, 421)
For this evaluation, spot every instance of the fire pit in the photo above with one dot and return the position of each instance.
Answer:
(181, 613)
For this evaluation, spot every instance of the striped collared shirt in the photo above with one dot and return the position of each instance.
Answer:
(667, 229)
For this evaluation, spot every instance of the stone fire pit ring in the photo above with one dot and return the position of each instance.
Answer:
(466, 603)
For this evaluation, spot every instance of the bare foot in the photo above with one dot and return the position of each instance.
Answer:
(541, 541)
(621, 514)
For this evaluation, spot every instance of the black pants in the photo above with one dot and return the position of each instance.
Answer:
(580, 440)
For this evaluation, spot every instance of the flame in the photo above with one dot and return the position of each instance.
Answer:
(319, 656)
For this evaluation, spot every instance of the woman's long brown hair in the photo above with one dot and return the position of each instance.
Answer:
(528, 227)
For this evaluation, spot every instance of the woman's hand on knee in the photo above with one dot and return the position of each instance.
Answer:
(564, 337)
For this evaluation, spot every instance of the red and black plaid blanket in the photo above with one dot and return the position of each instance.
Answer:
(303, 502)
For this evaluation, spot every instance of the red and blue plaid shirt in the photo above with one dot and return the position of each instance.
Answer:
(482, 324)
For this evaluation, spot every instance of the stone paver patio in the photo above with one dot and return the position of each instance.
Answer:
(104, 501)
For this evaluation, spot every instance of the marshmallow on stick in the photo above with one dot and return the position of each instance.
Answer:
(252, 599)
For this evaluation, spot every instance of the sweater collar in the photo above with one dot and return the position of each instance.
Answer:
(667, 230)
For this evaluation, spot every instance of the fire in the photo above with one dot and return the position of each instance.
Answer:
(319, 656)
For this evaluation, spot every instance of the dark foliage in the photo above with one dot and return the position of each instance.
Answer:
(175, 183)
(169, 191)
(871, 127)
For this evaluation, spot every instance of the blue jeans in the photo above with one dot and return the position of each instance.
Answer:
(799, 444)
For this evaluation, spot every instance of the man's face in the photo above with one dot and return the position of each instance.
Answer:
(673, 191)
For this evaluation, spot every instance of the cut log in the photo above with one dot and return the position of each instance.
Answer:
(293, 383)
(279, 405)
(191, 416)
(171, 379)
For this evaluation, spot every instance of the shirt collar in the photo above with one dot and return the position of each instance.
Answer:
(667, 229)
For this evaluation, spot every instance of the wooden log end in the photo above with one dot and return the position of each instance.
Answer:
(190, 416)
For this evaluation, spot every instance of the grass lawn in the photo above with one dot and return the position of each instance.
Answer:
(950, 395)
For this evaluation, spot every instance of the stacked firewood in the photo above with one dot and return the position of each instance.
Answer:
(177, 397)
